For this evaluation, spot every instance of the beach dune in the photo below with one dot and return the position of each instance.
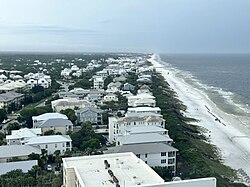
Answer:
(222, 130)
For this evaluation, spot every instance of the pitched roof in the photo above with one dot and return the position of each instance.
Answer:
(55, 122)
(49, 116)
(17, 150)
(23, 133)
(25, 166)
(48, 139)
(89, 108)
(147, 118)
(8, 96)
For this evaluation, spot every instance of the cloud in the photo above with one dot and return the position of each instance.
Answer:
(44, 29)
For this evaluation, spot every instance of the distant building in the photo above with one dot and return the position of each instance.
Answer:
(98, 83)
(118, 126)
(62, 126)
(110, 97)
(38, 120)
(141, 100)
(25, 166)
(128, 87)
(90, 114)
(18, 137)
(17, 151)
(51, 143)
(11, 99)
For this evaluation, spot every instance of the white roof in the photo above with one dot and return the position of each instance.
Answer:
(143, 138)
(146, 129)
(48, 139)
(206, 182)
(46, 116)
(142, 95)
(25, 166)
(143, 109)
(127, 168)
(24, 133)
(17, 150)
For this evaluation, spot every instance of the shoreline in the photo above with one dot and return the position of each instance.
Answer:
(231, 142)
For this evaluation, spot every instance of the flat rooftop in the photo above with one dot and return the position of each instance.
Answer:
(127, 168)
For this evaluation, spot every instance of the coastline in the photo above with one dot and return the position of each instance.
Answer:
(221, 129)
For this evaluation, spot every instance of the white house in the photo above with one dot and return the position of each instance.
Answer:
(60, 125)
(118, 126)
(141, 100)
(51, 143)
(17, 137)
(110, 97)
(38, 120)
(31, 83)
(43, 82)
(98, 83)
(146, 109)
(72, 103)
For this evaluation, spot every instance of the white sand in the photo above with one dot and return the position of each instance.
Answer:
(231, 138)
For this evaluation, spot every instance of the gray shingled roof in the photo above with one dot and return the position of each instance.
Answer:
(8, 96)
(143, 138)
(17, 150)
(90, 108)
(25, 166)
(143, 148)
(56, 122)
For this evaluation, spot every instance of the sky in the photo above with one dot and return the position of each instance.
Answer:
(162, 26)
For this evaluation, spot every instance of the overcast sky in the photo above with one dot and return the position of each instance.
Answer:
(164, 26)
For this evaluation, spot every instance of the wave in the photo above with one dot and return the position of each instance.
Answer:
(227, 101)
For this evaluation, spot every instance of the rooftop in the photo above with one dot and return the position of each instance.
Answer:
(17, 150)
(48, 139)
(25, 166)
(23, 133)
(55, 122)
(142, 148)
(142, 109)
(143, 138)
(46, 116)
(146, 129)
(127, 168)
(150, 118)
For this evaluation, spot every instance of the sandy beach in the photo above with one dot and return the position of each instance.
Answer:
(222, 130)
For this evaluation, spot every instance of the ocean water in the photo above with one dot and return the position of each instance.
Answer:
(225, 79)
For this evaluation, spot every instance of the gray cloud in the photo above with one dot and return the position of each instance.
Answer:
(49, 29)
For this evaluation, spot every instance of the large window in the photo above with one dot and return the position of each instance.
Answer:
(171, 154)
(171, 161)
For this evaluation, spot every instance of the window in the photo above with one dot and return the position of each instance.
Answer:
(46, 146)
(163, 154)
(55, 145)
(171, 154)
(146, 155)
(138, 155)
(171, 161)
(63, 144)
(163, 161)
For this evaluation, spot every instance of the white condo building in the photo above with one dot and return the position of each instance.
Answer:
(118, 126)
(118, 170)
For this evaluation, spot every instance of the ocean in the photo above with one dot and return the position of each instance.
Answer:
(224, 78)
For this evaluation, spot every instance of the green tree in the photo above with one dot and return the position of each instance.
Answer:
(12, 126)
(70, 113)
(49, 132)
(3, 115)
